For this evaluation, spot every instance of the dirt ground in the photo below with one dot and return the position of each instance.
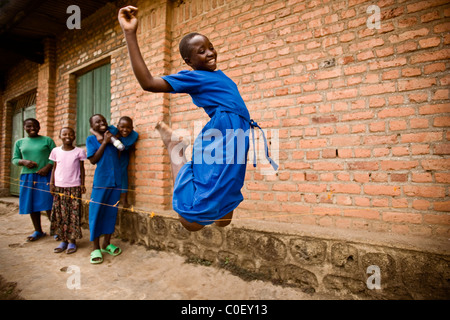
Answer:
(31, 271)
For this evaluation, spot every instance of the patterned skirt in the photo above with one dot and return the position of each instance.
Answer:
(66, 213)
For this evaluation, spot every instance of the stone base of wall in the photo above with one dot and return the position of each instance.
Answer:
(4, 192)
(316, 260)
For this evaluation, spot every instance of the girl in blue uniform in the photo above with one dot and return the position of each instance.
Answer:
(106, 188)
(207, 189)
(128, 137)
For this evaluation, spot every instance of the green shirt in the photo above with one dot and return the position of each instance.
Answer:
(36, 149)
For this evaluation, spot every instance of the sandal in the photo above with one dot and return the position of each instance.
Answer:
(72, 248)
(111, 249)
(96, 254)
(36, 236)
(62, 246)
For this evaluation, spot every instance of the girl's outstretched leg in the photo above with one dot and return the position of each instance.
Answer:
(225, 220)
(175, 146)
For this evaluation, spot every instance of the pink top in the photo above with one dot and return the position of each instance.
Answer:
(67, 172)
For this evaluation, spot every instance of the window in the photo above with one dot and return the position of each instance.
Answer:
(93, 96)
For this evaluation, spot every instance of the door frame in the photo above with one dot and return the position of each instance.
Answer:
(23, 108)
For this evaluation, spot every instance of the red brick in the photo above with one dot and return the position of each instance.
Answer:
(421, 177)
(421, 204)
(414, 84)
(430, 42)
(423, 191)
(346, 188)
(383, 64)
(442, 177)
(408, 35)
(355, 69)
(440, 219)
(441, 122)
(328, 74)
(435, 67)
(401, 217)
(434, 108)
(363, 165)
(342, 94)
(442, 149)
(315, 97)
(439, 165)
(398, 165)
(365, 115)
(421, 137)
(346, 141)
(362, 213)
(366, 44)
(430, 56)
(382, 190)
(374, 140)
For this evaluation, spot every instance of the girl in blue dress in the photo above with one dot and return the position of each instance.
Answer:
(105, 190)
(207, 189)
(128, 137)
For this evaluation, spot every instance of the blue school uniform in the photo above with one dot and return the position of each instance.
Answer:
(35, 193)
(209, 187)
(105, 190)
(124, 158)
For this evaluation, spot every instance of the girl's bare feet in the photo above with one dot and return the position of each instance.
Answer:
(168, 137)
(165, 131)
(175, 146)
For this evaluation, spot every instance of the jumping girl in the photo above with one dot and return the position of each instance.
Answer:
(204, 191)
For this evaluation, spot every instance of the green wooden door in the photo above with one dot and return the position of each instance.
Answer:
(93, 96)
(18, 133)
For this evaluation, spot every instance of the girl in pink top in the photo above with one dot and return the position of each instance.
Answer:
(67, 185)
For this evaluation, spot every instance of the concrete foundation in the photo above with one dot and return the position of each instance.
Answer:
(316, 260)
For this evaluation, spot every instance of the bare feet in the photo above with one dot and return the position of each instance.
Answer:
(175, 146)
(165, 131)
(225, 220)
(168, 137)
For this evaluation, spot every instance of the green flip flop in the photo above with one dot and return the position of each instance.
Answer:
(96, 254)
(111, 249)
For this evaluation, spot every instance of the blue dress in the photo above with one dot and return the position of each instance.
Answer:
(35, 193)
(105, 191)
(124, 158)
(209, 187)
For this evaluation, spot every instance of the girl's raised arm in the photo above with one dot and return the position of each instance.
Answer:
(128, 22)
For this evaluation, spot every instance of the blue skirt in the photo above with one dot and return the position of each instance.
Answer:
(35, 193)
(102, 211)
(124, 160)
(209, 187)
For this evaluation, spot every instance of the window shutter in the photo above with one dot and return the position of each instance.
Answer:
(93, 96)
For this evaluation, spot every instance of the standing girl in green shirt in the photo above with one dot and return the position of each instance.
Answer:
(32, 154)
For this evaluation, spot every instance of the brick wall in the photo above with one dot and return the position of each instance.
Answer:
(361, 114)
